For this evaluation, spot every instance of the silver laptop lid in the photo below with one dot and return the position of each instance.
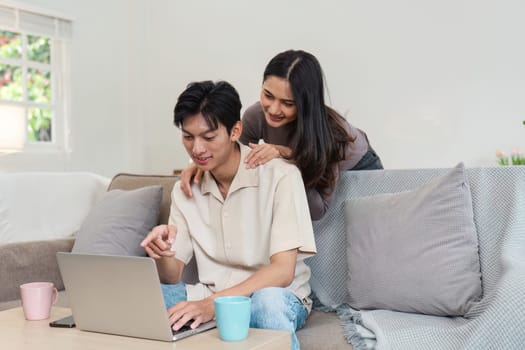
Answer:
(115, 294)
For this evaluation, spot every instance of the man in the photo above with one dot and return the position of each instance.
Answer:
(249, 229)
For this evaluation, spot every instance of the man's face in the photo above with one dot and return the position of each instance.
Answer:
(209, 149)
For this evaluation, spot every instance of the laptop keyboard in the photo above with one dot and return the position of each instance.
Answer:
(184, 328)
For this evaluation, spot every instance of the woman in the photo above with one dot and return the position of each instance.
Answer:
(294, 123)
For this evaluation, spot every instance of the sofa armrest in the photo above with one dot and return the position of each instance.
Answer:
(30, 261)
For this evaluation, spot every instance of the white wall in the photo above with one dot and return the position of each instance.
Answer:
(432, 83)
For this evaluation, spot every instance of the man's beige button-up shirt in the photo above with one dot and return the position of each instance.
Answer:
(265, 212)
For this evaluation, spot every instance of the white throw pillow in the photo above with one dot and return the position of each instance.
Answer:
(46, 205)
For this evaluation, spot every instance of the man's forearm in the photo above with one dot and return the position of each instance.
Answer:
(170, 269)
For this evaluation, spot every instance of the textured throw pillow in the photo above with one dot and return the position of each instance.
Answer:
(415, 251)
(119, 222)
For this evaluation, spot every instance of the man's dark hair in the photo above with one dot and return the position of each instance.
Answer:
(217, 102)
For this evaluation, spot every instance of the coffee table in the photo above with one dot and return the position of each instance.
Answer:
(17, 333)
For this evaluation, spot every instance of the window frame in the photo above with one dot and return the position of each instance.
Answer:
(59, 68)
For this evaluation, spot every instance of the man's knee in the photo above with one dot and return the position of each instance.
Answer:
(269, 298)
(270, 309)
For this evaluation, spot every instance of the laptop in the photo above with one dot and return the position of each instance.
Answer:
(119, 295)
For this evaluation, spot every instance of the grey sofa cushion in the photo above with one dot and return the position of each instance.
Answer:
(119, 222)
(415, 251)
(126, 181)
(24, 262)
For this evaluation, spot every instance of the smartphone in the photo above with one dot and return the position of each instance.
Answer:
(66, 322)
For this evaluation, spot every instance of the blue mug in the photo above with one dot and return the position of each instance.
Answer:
(233, 317)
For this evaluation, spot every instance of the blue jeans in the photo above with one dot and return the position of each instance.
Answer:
(272, 308)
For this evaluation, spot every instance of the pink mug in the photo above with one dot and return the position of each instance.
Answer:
(37, 299)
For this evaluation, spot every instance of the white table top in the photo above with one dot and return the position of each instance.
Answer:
(18, 333)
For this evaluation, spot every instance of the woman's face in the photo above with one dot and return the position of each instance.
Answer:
(277, 102)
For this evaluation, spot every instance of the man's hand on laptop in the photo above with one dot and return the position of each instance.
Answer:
(200, 311)
(158, 242)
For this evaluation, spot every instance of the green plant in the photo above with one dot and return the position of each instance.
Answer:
(516, 157)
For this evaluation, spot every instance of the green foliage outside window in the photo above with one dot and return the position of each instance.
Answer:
(38, 86)
(11, 88)
(10, 45)
(38, 79)
(38, 49)
(39, 124)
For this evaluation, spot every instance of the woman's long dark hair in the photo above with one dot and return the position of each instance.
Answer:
(321, 137)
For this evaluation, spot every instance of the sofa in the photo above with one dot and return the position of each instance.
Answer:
(495, 320)
(39, 214)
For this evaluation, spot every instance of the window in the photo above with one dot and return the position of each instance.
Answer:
(34, 92)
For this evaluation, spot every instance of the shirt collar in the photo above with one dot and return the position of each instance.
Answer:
(243, 178)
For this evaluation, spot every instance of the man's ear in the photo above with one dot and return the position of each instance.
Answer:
(236, 131)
